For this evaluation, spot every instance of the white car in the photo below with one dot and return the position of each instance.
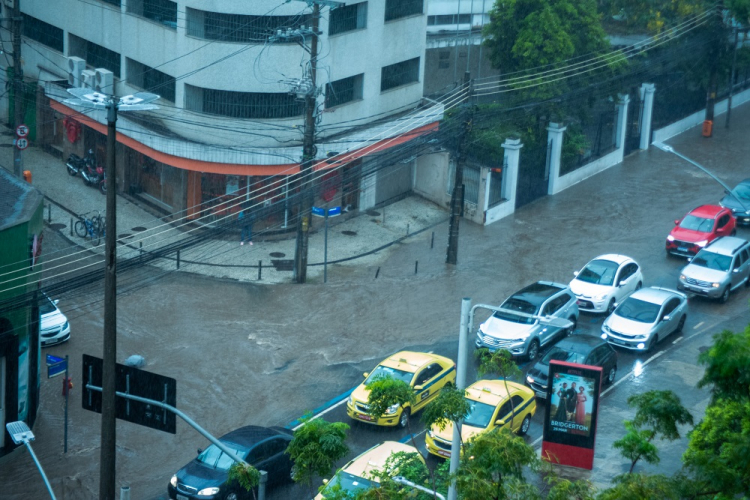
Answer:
(54, 328)
(606, 281)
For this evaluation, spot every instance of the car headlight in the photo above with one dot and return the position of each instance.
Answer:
(66, 326)
(605, 328)
(350, 401)
(173, 481)
(209, 491)
(701, 243)
(392, 409)
(682, 277)
(600, 297)
(604, 336)
(670, 238)
(530, 379)
(431, 434)
(715, 285)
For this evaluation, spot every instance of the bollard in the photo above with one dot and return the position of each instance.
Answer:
(49, 213)
(71, 226)
(125, 492)
(262, 485)
(377, 272)
(178, 259)
(260, 268)
(416, 266)
(432, 240)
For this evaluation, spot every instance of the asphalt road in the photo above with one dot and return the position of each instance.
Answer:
(248, 354)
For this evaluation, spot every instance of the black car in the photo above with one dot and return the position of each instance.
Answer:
(738, 201)
(205, 477)
(583, 349)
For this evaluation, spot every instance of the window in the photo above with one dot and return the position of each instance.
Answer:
(669, 307)
(627, 271)
(399, 74)
(266, 450)
(348, 18)
(423, 377)
(504, 411)
(95, 55)
(151, 79)
(238, 27)
(344, 90)
(448, 20)
(44, 33)
(161, 11)
(723, 220)
(395, 9)
(242, 104)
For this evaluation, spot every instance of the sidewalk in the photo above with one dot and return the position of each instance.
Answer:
(138, 228)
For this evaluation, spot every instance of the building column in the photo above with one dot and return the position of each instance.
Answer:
(555, 135)
(511, 156)
(647, 91)
(622, 123)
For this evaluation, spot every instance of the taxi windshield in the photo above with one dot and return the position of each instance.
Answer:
(387, 372)
(480, 414)
(214, 458)
(599, 272)
(699, 224)
(348, 482)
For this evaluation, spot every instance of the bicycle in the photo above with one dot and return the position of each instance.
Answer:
(92, 227)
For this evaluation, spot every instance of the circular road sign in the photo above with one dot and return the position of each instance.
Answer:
(22, 143)
(22, 131)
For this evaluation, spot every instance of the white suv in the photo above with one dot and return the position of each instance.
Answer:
(721, 267)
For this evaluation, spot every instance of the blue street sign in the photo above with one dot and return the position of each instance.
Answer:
(333, 212)
(53, 360)
(321, 212)
(57, 369)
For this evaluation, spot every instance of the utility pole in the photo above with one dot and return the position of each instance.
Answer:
(714, 70)
(457, 196)
(17, 83)
(731, 77)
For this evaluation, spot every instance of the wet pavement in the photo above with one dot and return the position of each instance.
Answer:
(249, 354)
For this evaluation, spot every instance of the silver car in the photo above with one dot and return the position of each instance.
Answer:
(718, 269)
(645, 317)
(522, 327)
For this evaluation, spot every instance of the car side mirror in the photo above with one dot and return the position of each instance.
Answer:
(365, 374)
(736, 270)
(666, 318)
(575, 273)
(676, 221)
(499, 421)
(325, 481)
(418, 387)
(56, 301)
(200, 450)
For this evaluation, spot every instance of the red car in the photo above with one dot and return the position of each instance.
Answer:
(699, 228)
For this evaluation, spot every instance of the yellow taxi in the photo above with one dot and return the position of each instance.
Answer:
(490, 404)
(426, 373)
(357, 474)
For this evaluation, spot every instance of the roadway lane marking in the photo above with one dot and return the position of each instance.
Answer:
(698, 325)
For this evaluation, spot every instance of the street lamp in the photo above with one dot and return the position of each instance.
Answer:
(20, 433)
(141, 101)
(406, 482)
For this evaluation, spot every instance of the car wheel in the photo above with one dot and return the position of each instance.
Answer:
(747, 282)
(681, 323)
(524, 426)
(611, 306)
(572, 329)
(724, 295)
(638, 286)
(533, 351)
(611, 375)
(403, 420)
(231, 496)
(653, 343)
(733, 233)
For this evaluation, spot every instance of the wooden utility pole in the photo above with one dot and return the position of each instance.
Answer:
(457, 197)
(17, 83)
(714, 55)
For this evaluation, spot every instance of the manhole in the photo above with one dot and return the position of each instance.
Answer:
(138, 228)
(125, 235)
(278, 255)
(57, 226)
(349, 233)
(373, 213)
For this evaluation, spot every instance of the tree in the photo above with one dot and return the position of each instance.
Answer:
(450, 406)
(654, 16)
(640, 486)
(315, 448)
(247, 476)
(501, 363)
(727, 364)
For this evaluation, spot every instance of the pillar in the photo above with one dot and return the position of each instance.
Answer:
(555, 135)
(648, 111)
(622, 123)
(512, 155)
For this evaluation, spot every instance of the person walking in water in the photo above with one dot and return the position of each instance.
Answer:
(245, 219)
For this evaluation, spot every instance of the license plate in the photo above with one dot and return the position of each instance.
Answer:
(182, 497)
(364, 417)
(444, 453)
(682, 249)
(542, 395)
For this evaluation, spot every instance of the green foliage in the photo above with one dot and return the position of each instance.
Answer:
(661, 411)
(640, 487)
(449, 406)
(246, 475)
(653, 16)
(636, 445)
(727, 365)
(564, 489)
(387, 392)
(499, 363)
(740, 9)
(315, 448)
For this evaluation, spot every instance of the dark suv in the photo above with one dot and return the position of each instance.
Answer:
(583, 349)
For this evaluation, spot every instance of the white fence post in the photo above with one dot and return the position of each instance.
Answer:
(622, 123)
(555, 134)
(512, 154)
(648, 90)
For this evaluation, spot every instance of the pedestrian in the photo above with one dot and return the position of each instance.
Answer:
(246, 219)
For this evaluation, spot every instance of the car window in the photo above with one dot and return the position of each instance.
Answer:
(638, 310)
(670, 306)
(556, 304)
(599, 272)
(595, 357)
(712, 260)
(745, 254)
(723, 220)
(259, 453)
(693, 223)
(737, 261)
(504, 410)
(429, 373)
(627, 272)
(214, 458)
(517, 401)
(422, 377)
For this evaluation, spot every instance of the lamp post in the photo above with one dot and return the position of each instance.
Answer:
(138, 102)
(20, 433)
(406, 482)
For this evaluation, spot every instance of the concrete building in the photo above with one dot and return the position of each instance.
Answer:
(229, 122)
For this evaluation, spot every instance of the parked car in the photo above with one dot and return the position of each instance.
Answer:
(583, 349)
(427, 373)
(520, 327)
(206, 476)
(491, 409)
(356, 475)
(739, 202)
(647, 316)
(721, 267)
(699, 228)
(605, 281)
(54, 327)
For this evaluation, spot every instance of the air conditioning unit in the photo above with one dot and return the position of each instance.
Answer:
(75, 66)
(88, 78)
(104, 81)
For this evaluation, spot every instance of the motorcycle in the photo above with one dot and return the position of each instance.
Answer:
(92, 174)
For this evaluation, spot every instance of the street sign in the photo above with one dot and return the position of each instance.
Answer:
(53, 360)
(130, 380)
(22, 131)
(57, 369)
(22, 143)
(321, 212)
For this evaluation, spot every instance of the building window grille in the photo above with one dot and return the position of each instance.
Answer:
(396, 9)
(348, 18)
(240, 28)
(242, 104)
(151, 79)
(449, 20)
(344, 90)
(161, 11)
(95, 55)
(46, 34)
(399, 74)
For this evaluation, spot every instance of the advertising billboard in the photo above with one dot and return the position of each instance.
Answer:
(570, 419)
